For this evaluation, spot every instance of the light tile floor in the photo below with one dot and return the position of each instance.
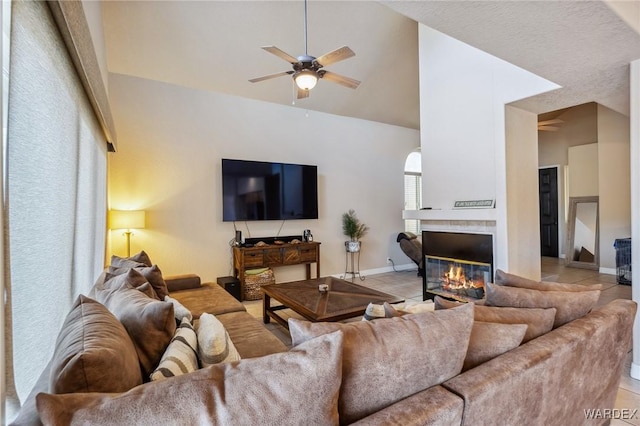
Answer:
(408, 285)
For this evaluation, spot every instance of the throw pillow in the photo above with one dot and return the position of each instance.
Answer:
(301, 388)
(400, 309)
(93, 352)
(103, 289)
(214, 344)
(538, 321)
(179, 310)
(123, 262)
(386, 310)
(147, 290)
(489, 340)
(389, 359)
(150, 323)
(151, 274)
(503, 278)
(569, 305)
(181, 355)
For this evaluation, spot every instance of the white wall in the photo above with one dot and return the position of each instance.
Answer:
(171, 141)
(463, 92)
(583, 170)
(614, 183)
(523, 221)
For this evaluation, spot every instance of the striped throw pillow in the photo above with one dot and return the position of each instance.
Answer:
(181, 354)
(214, 344)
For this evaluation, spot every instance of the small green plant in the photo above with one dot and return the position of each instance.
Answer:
(352, 227)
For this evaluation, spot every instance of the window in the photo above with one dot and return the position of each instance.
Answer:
(413, 188)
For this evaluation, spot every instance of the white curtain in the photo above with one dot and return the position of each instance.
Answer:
(56, 190)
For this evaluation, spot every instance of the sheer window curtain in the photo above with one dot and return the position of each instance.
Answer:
(55, 183)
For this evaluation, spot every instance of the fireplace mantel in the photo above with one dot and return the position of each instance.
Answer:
(451, 214)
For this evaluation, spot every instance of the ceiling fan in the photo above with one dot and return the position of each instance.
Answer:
(308, 69)
(547, 125)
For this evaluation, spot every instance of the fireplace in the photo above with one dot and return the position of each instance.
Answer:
(456, 265)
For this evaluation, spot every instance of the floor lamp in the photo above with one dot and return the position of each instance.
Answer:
(127, 220)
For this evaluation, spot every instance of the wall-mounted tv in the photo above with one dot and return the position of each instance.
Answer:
(258, 190)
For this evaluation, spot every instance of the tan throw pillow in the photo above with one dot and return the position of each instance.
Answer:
(299, 387)
(181, 355)
(400, 309)
(489, 340)
(152, 274)
(389, 359)
(569, 305)
(503, 278)
(179, 310)
(538, 321)
(120, 262)
(93, 352)
(150, 323)
(214, 344)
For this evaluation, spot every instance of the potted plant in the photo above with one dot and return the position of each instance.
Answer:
(354, 229)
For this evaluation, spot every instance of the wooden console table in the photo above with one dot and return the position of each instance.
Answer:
(275, 255)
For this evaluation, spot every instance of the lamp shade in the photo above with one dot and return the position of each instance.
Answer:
(306, 79)
(126, 219)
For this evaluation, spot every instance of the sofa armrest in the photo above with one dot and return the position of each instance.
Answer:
(182, 282)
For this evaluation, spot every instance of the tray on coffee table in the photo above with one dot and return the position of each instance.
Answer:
(341, 301)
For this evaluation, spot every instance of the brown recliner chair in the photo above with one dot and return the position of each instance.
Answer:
(413, 248)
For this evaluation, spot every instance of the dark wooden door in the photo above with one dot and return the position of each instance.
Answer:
(548, 189)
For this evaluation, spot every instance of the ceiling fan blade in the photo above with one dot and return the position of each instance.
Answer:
(548, 128)
(334, 56)
(547, 122)
(270, 76)
(340, 79)
(280, 54)
(303, 93)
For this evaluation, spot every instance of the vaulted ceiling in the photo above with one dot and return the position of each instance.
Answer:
(215, 45)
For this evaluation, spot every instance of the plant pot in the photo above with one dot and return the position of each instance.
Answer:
(352, 246)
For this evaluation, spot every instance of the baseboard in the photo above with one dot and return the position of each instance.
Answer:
(383, 270)
(607, 271)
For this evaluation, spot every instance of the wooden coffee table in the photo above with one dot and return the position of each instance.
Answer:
(343, 300)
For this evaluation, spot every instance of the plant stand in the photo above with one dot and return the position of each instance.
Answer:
(352, 263)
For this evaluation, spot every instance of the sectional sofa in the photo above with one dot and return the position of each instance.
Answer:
(411, 369)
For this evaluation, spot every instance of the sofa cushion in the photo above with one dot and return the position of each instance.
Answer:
(181, 355)
(150, 323)
(209, 298)
(301, 388)
(123, 262)
(249, 335)
(93, 352)
(489, 340)
(569, 305)
(539, 321)
(389, 359)
(153, 275)
(504, 278)
(214, 344)
(182, 282)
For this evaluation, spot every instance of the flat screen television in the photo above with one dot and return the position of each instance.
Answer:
(258, 190)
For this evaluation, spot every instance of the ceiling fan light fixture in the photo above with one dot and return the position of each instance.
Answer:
(306, 79)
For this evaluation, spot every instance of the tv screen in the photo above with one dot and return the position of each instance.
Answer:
(258, 190)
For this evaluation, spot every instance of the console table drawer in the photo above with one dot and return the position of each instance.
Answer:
(273, 256)
(291, 255)
(309, 254)
(254, 259)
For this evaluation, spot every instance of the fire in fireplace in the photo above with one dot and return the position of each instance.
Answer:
(457, 265)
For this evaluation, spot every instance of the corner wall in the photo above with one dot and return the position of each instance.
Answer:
(614, 183)
(170, 143)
